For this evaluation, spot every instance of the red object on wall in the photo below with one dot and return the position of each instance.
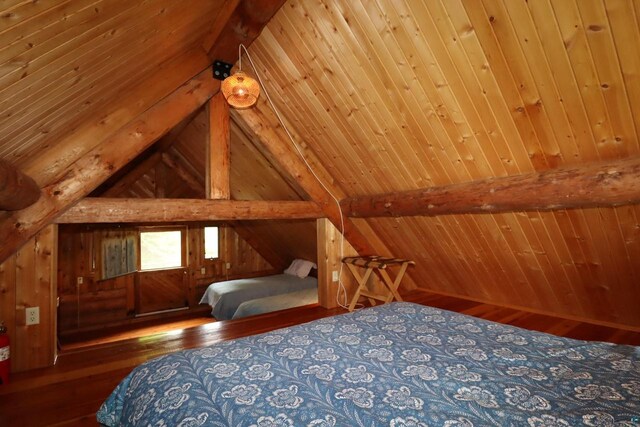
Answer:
(4, 355)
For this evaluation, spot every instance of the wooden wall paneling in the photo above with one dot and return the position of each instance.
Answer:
(186, 177)
(547, 50)
(460, 160)
(605, 234)
(121, 71)
(161, 290)
(459, 74)
(390, 72)
(348, 96)
(534, 81)
(264, 246)
(574, 34)
(563, 280)
(497, 84)
(404, 243)
(253, 176)
(625, 29)
(160, 181)
(465, 254)
(329, 260)
(588, 260)
(538, 269)
(610, 80)
(525, 106)
(34, 346)
(8, 302)
(327, 109)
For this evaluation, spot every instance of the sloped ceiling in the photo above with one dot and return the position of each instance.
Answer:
(389, 96)
(395, 96)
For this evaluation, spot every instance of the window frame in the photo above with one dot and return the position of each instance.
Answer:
(183, 246)
(204, 242)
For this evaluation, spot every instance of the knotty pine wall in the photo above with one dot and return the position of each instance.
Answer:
(403, 95)
(28, 279)
(96, 303)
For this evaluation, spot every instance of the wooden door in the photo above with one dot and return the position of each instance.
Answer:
(161, 290)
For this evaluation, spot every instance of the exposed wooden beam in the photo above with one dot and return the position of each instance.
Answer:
(243, 26)
(17, 190)
(87, 172)
(289, 159)
(103, 210)
(581, 186)
(218, 149)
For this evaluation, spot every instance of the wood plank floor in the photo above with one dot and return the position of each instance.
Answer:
(71, 392)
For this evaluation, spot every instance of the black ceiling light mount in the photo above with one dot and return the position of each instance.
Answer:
(221, 69)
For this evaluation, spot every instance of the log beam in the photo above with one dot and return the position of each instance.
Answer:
(103, 210)
(94, 167)
(281, 150)
(17, 190)
(606, 184)
(218, 149)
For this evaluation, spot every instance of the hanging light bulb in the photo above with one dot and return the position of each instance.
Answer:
(240, 90)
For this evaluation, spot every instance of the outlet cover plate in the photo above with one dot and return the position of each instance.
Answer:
(334, 276)
(33, 315)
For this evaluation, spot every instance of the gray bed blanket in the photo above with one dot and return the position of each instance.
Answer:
(225, 297)
(277, 302)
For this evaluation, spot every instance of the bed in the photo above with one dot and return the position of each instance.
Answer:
(399, 364)
(277, 302)
(225, 297)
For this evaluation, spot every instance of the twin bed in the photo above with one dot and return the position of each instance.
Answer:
(233, 299)
(398, 364)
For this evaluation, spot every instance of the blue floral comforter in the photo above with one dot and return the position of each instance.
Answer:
(395, 365)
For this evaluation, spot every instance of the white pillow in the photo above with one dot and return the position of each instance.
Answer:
(300, 268)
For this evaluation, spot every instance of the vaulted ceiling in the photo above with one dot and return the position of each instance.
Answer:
(383, 96)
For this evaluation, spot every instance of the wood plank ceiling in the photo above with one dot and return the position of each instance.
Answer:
(63, 62)
(400, 95)
(387, 96)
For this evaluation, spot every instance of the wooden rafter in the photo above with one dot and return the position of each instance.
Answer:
(582, 186)
(87, 172)
(104, 210)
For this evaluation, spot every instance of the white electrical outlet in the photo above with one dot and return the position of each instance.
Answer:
(203, 271)
(33, 315)
(80, 280)
(228, 265)
(334, 276)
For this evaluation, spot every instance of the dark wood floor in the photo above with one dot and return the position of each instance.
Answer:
(71, 392)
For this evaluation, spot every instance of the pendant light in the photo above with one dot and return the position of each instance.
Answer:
(240, 90)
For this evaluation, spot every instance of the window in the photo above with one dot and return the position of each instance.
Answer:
(160, 249)
(211, 242)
